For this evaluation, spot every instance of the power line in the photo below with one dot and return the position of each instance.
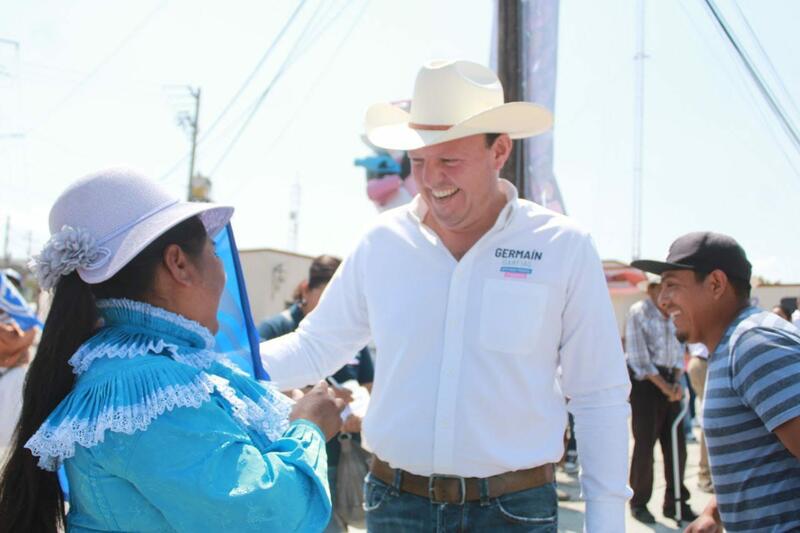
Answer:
(290, 58)
(253, 73)
(314, 84)
(774, 105)
(323, 26)
(740, 79)
(106, 60)
(766, 57)
(241, 89)
(323, 72)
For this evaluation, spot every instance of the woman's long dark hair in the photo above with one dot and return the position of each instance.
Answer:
(31, 498)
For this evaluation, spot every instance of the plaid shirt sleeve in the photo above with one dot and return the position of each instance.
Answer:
(639, 359)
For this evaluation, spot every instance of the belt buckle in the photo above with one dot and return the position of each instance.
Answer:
(432, 492)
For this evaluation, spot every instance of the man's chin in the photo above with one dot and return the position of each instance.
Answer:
(683, 336)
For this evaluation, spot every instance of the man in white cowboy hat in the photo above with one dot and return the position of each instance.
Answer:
(476, 301)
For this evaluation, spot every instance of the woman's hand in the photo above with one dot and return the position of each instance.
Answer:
(352, 424)
(320, 406)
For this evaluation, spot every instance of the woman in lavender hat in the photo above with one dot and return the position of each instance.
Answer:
(156, 432)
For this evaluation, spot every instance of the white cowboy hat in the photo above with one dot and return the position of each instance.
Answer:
(102, 221)
(453, 99)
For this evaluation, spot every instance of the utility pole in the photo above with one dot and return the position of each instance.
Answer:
(509, 70)
(195, 93)
(638, 131)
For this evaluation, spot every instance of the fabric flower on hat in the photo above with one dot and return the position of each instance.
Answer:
(69, 249)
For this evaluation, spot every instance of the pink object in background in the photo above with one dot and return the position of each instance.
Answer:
(382, 190)
(411, 186)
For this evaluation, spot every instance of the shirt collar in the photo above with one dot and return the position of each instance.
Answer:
(726, 337)
(155, 321)
(418, 208)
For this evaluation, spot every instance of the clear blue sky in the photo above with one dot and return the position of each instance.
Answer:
(95, 88)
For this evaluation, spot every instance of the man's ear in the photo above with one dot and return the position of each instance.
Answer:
(177, 264)
(717, 282)
(501, 150)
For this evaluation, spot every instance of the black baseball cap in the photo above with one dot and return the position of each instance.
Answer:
(702, 251)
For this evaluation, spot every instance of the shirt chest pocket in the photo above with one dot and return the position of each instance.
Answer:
(512, 315)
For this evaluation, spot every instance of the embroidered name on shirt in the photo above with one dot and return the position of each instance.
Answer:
(508, 253)
(517, 263)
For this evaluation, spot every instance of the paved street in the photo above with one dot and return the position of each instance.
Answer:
(570, 515)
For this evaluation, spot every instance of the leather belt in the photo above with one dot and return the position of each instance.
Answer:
(457, 490)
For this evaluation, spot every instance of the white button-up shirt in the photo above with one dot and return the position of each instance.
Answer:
(475, 358)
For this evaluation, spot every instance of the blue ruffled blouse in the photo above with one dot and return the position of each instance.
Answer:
(160, 433)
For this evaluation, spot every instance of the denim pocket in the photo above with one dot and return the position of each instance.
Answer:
(537, 506)
(375, 492)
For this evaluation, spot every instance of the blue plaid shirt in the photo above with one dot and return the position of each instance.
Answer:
(650, 340)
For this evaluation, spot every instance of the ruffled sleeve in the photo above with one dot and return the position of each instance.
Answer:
(183, 438)
(203, 473)
(124, 401)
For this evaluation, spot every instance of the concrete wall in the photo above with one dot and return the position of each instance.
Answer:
(271, 277)
(769, 296)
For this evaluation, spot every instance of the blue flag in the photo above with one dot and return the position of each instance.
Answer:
(12, 302)
(237, 336)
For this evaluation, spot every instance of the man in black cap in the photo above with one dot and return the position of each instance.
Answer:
(751, 413)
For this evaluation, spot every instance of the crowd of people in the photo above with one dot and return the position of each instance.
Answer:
(493, 326)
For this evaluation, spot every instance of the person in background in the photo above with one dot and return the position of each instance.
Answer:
(14, 358)
(15, 354)
(155, 430)
(359, 369)
(697, 371)
(783, 313)
(13, 275)
(655, 361)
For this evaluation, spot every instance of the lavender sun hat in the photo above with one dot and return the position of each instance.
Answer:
(102, 221)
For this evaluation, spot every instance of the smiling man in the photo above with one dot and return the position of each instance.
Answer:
(751, 412)
(487, 312)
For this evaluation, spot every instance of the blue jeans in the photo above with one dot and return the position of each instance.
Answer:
(391, 511)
